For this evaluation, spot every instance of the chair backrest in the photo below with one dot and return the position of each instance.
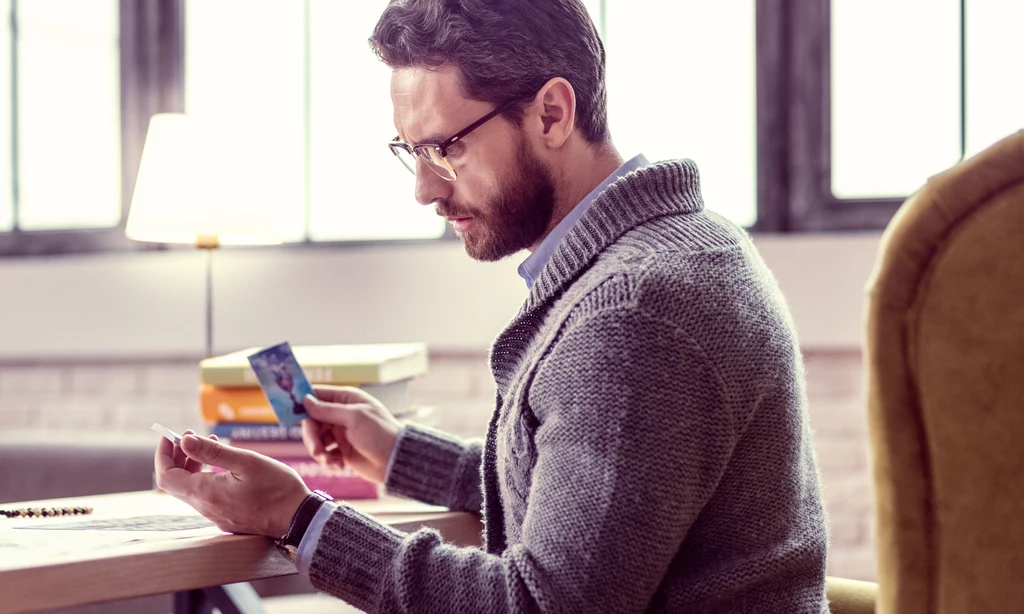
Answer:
(945, 364)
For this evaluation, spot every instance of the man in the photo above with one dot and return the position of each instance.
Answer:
(649, 449)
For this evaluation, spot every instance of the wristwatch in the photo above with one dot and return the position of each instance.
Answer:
(288, 543)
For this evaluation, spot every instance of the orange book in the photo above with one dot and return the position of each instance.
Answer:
(250, 405)
(235, 405)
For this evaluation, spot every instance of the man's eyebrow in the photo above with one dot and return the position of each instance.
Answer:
(433, 139)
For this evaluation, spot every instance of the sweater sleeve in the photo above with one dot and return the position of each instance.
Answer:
(633, 436)
(436, 468)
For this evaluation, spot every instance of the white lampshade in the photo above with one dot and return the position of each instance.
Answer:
(202, 182)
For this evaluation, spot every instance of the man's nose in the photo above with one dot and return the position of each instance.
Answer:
(429, 185)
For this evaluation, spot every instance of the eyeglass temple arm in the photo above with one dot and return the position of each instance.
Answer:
(483, 120)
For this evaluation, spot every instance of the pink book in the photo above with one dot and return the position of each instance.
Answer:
(275, 449)
(339, 483)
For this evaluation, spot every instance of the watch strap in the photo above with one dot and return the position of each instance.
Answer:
(303, 517)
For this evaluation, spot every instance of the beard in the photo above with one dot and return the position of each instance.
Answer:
(517, 218)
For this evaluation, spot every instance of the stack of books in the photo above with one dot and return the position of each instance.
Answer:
(238, 412)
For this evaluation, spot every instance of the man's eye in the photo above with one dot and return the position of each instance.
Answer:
(456, 149)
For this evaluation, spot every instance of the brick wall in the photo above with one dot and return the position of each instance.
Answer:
(835, 390)
(125, 398)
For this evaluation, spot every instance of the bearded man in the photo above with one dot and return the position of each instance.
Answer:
(649, 449)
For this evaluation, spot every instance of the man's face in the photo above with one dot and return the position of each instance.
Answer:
(503, 198)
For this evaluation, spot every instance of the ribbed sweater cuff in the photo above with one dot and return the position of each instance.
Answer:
(425, 465)
(353, 557)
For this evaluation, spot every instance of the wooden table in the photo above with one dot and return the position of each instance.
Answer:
(45, 568)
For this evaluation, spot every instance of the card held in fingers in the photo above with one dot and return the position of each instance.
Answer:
(283, 381)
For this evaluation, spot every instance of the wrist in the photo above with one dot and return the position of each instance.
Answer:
(284, 512)
(303, 515)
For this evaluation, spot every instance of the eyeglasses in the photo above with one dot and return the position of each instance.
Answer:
(436, 154)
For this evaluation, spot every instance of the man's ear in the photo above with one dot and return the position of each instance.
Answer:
(555, 109)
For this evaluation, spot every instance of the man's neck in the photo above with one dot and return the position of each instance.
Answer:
(580, 177)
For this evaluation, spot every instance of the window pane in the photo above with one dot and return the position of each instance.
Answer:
(6, 203)
(69, 114)
(667, 100)
(895, 94)
(244, 66)
(995, 91)
(359, 190)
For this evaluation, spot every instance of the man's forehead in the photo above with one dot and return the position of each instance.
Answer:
(428, 102)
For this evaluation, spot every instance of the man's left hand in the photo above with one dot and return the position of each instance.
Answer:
(255, 494)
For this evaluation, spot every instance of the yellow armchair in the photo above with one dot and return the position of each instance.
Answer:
(945, 362)
(847, 596)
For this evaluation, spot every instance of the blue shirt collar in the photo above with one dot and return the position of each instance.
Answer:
(530, 269)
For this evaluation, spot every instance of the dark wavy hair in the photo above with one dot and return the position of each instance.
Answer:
(504, 49)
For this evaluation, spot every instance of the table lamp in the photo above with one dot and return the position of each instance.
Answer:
(201, 183)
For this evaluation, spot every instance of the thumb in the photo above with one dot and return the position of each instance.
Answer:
(332, 413)
(339, 394)
(212, 452)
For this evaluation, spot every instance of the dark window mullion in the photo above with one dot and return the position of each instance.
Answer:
(772, 108)
(811, 203)
(152, 77)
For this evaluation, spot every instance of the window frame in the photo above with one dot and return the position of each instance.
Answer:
(151, 43)
(795, 124)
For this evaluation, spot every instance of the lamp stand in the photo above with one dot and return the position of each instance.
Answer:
(209, 244)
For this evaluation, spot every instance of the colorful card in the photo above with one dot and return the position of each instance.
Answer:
(283, 381)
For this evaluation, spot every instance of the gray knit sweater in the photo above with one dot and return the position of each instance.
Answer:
(649, 450)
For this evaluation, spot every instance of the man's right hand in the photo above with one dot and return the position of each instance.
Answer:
(363, 429)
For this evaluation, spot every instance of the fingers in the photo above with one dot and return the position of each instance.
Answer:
(170, 477)
(191, 464)
(311, 430)
(339, 394)
(191, 488)
(180, 459)
(324, 443)
(213, 452)
(332, 412)
(163, 459)
(175, 481)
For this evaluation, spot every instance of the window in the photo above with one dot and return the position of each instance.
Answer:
(357, 191)
(282, 76)
(303, 74)
(68, 115)
(876, 98)
(79, 80)
(63, 99)
(926, 122)
(886, 146)
(803, 115)
(7, 211)
(995, 93)
(353, 192)
(666, 99)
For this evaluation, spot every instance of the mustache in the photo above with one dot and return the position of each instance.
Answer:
(445, 208)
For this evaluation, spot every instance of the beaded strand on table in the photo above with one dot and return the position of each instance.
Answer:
(45, 511)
